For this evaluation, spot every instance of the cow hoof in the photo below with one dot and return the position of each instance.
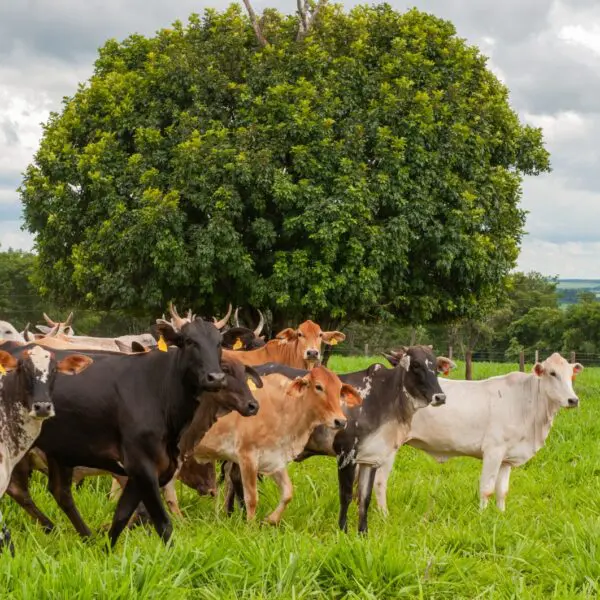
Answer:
(273, 521)
(6, 541)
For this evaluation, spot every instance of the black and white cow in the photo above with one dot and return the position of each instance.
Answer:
(377, 428)
(25, 403)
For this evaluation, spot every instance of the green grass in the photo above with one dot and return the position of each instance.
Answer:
(435, 544)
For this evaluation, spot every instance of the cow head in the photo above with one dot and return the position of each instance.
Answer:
(57, 328)
(241, 338)
(556, 377)
(9, 334)
(200, 345)
(330, 394)
(307, 339)
(420, 382)
(36, 370)
(237, 395)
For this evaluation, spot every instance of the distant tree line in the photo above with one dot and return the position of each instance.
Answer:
(529, 318)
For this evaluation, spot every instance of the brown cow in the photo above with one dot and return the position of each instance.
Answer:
(269, 441)
(299, 348)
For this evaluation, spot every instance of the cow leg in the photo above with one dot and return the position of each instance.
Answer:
(381, 480)
(502, 486)
(170, 495)
(5, 539)
(147, 483)
(346, 483)
(60, 480)
(282, 479)
(489, 474)
(249, 471)
(126, 506)
(366, 477)
(118, 483)
(18, 490)
(235, 479)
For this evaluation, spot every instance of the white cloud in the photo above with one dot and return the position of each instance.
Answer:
(11, 236)
(588, 37)
(561, 126)
(570, 260)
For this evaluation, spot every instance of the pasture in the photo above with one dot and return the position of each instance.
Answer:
(435, 544)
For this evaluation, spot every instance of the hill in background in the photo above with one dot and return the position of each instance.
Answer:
(569, 289)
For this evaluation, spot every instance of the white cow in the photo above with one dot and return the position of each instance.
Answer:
(9, 334)
(25, 402)
(502, 420)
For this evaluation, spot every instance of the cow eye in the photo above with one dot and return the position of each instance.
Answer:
(300, 334)
(553, 373)
(321, 334)
(319, 387)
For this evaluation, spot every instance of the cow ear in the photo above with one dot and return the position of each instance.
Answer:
(43, 328)
(287, 335)
(577, 368)
(538, 369)
(392, 359)
(297, 387)
(254, 376)
(350, 397)
(332, 337)
(445, 365)
(138, 347)
(7, 361)
(73, 364)
(171, 335)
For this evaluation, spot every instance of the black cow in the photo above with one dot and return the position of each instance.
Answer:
(377, 427)
(125, 415)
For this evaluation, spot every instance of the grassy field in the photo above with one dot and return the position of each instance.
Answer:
(435, 544)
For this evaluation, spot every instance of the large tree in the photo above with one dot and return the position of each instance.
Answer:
(359, 164)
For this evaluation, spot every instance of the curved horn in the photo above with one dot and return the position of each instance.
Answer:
(260, 325)
(236, 321)
(189, 315)
(177, 321)
(69, 319)
(54, 331)
(49, 320)
(220, 324)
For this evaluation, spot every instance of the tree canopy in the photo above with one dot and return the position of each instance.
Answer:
(369, 165)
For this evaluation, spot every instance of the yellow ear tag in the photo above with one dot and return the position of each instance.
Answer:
(162, 345)
(251, 384)
(2, 370)
(333, 342)
(238, 344)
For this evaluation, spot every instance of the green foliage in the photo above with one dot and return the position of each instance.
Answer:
(372, 169)
(435, 543)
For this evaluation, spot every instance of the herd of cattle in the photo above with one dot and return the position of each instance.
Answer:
(152, 408)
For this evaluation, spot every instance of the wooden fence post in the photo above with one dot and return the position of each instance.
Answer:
(537, 356)
(572, 359)
(522, 361)
(366, 349)
(468, 365)
(450, 352)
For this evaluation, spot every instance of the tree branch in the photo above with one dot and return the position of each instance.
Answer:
(255, 24)
(307, 23)
(302, 8)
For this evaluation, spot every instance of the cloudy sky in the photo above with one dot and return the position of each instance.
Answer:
(546, 51)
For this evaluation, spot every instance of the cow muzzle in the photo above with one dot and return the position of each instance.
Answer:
(573, 402)
(438, 399)
(312, 355)
(252, 409)
(215, 381)
(339, 424)
(42, 410)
